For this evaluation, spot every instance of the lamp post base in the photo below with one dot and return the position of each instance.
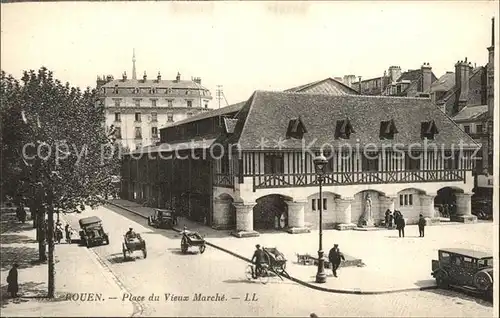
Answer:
(321, 275)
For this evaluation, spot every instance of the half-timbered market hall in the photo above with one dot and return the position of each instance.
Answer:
(249, 166)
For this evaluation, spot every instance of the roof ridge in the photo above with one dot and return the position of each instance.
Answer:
(344, 96)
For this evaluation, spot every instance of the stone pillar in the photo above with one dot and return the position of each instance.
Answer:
(464, 210)
(296, 223)
(427, 209)
(244, 220)
(222, 214)
(343, 210)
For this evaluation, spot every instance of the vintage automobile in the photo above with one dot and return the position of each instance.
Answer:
(92, 232)
(162, 218)
(465, 269)
(482, 208)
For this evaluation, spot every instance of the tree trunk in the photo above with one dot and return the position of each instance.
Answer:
(40, 233)
(50, 239)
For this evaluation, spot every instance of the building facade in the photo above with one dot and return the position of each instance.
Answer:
(250, 166)
(137, 108)
(394, 82)
(467, 96)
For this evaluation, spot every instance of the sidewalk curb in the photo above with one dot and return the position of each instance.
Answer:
(301, 282)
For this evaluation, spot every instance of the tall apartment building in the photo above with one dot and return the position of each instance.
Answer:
(137, 108)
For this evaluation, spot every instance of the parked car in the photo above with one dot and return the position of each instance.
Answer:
(162, 218)
(465, 269)
(482, 208)
(92, 232)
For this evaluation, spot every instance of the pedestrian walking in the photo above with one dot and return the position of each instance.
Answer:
(421, 225)
(335, 257)
(400, 225)
(67, 231)
(13, 286)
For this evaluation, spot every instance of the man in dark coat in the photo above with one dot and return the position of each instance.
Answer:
(13, 287)
(335, 257)
(258, 259)
(421, 225)
(400, 225)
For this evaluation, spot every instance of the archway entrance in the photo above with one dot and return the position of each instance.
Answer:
(445, 202)
(271, 212)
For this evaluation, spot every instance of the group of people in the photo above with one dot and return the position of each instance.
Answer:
(400, 222)
(58, 232)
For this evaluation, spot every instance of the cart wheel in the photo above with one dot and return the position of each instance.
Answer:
(202, 249)
(283, 267)
(145, 252)
(248, 272)
(264, 276)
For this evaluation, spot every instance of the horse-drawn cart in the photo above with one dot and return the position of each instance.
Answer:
(192, 239)
(132, 244)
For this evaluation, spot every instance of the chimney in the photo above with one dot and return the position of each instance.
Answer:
(197, 80)
(394, 73)
(144, 77)
(462, 69)
(109, 78)
(426, 77)
(158, 77)
(124, 76)
(178, 77)
(359, 85)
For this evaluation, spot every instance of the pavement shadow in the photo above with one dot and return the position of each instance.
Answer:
(27, 291)
(177, 251)
(14, 238)
(25, 256)
(117, 258)
(458, 296)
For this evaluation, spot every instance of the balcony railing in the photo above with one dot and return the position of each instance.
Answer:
(346, 178)
(224, 180)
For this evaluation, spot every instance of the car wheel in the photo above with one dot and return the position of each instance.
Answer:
(442, 280)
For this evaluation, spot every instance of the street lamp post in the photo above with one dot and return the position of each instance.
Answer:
(320, 164)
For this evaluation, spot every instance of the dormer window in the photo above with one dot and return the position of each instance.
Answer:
(388, 129)
(116, 89)
(152, 90)
(136, 90)
(229, 125)
(296, 128)
(168, 91)
(343, 129)
(428, 129)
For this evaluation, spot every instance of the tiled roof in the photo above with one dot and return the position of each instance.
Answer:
(265, 117)
(444, 83)
(212, 113)
(469, 113)
(131, 83)
(326, 86)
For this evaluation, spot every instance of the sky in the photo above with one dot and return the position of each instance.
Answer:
(243, 46)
